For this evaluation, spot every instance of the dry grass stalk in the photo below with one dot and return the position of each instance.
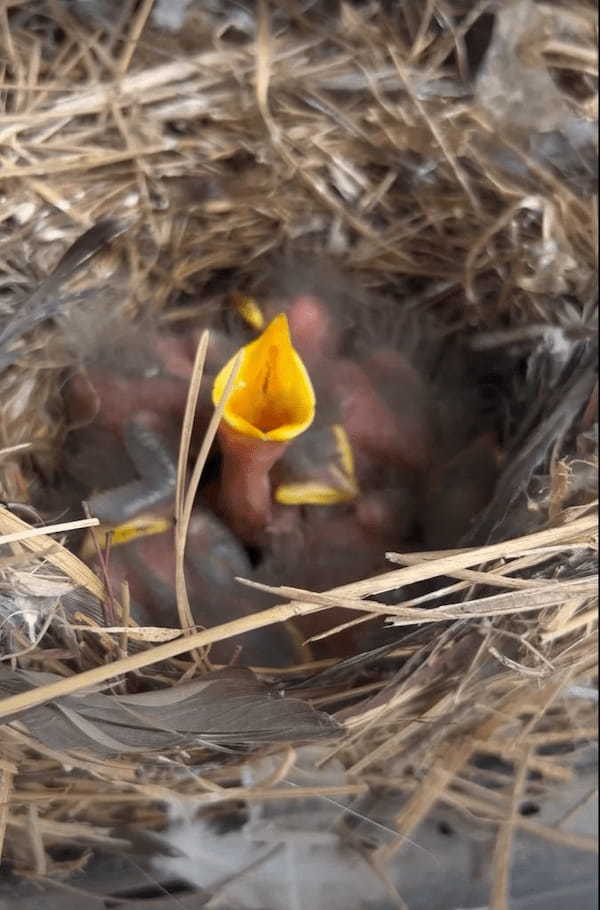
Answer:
(487, 811)
(500, 892)
(6, 783)
(430, 569)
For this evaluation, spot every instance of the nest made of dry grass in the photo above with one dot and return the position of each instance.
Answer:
(363, 134)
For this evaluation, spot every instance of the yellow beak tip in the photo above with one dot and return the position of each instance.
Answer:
(272, 397)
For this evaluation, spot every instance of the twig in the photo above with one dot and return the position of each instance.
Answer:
(181, 527)
(280, 613)
(500, 891)
(7, 772)
(139, 21)
(19, 536)
(125, 613)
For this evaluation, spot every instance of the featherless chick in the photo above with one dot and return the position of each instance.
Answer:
(346, 433)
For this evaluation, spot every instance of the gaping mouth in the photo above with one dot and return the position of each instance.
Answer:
(272, 398)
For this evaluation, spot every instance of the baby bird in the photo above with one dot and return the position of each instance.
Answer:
(335, 446)
(271, 402)
(125, 405)
(213, 559)
(358, 428)
(422, 463)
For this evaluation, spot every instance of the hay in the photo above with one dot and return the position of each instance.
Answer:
(363, 134)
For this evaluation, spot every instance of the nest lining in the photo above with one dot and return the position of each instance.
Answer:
(386, 153)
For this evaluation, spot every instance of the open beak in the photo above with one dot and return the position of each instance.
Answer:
(271, 403)
(318, 469)
(272, 399)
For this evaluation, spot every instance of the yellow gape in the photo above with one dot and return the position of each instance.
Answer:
(249, 310)
(272, 398)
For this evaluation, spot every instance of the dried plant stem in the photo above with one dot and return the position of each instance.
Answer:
(133, 86)
(36, 841)
(486, 811)
(7, 772)
(53, 552)
(495, 578)
(498, 605)
(125, 615)
(446, 766)
(28, 533)
(188, 503)
(181, 527)
(74, 163)
(281, 613)
(139, 21)
(500, 892)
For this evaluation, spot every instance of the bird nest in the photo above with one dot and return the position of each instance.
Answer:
(441, 156)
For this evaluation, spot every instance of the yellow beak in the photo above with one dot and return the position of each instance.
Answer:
(249, 310)
(273, 398)
(141, 526)
(322, 475)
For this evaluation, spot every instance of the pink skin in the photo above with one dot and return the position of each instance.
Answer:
(388, 365)
(176, 355)
(113, 398)
(245, 495)
(145, 409)
(483, 450)
(403, 391)
(392, 432)
(110, 399)
(381, 431)
(372, 513)
(374, 429)
(311, 328)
